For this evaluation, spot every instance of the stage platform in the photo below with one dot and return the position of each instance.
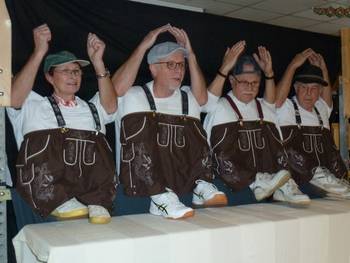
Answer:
(257, 233)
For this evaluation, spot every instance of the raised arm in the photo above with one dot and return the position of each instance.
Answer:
(95, 50)
(326, 93)
(198, 84)
(284, 85)
(229, 60)
(23, 82)
(126, 74)
(265, 62)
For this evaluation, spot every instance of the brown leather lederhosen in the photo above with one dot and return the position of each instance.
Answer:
(55, 165)
(241, 149)
(162, 150)
(309, 147)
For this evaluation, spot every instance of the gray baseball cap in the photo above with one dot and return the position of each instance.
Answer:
(163, 50)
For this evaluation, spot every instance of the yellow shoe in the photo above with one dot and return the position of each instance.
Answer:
(98, 215)
(71, 209)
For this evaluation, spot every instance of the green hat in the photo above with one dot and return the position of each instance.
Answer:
(61, 58)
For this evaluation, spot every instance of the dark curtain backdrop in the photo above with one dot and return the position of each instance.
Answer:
(123, 24)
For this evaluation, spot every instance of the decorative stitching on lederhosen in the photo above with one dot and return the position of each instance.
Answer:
(245, 138)
(169, 135)
(311, 142)
(79, 146)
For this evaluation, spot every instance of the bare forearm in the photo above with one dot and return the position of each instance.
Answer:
(327, 90)
(23, 82)
(270, 91)
(284, 85)
(107, 94)
(108, 97)
(217, 85)
(125, 76)
(198, 84)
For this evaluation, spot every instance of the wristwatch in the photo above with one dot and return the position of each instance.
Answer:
(103, 75)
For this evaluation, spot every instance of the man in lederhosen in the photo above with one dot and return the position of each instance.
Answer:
(161, 145)
(65, 166)
(245, 142)
(312, 154)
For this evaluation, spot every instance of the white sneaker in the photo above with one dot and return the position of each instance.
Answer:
(206, 194)
(168, 205)
(98, 215)
(265, 184)
(289, 192)
(70, 209)
(326, 181)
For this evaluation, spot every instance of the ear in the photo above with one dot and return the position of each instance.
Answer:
(49, 78)
(153, 69)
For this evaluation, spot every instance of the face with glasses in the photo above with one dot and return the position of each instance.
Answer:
(169, 72)
(65, 79)
(245, 86)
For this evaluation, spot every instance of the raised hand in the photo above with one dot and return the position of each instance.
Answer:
(231, 56)
(149, 40)
(42, 37)
(95, 48)
(264, 61)
(317, 60)
(300, 58)
(181, 38)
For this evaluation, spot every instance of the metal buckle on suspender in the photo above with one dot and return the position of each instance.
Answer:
(261, 121)
(241, 123)
(184, 117)
(154, 114)
(64, 129)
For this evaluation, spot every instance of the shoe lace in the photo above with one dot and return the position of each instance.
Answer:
(293, 187)
(171, 197)
(264, 176)
(207, 187)
(330, 178)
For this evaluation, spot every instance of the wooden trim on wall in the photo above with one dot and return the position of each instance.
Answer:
(5, 56)
(345, 54)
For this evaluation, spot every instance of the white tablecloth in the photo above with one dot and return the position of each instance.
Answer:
(258, 233)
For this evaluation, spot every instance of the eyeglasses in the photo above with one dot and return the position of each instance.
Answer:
(246, 84)
(69, 72)
(172, 65)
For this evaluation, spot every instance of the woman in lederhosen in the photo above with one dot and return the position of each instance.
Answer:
(245, 142)
(312, 154)
(65, 166)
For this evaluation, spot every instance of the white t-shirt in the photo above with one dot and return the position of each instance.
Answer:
(286, 114)
(135, 100)
(224, 113)
(37, 114)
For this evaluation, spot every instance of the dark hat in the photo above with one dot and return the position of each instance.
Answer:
(61, 58)
(163, 50)
(310, 74)
(243, 61)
